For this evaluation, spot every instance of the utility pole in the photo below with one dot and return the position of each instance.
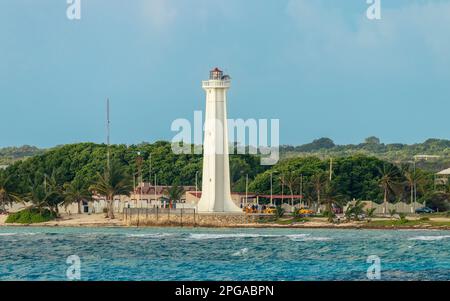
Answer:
(155, 189)
(139, 175)
(246, 190)
(415, 185)
(150, 168)
(271, 189)
(331, 168)
(107, 134)
(196, 184)
(301, 188)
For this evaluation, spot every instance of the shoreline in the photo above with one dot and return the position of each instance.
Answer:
(99, 221)
(225, 227)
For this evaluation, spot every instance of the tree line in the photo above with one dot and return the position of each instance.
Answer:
(71, 173)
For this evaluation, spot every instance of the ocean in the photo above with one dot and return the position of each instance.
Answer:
(34, 253)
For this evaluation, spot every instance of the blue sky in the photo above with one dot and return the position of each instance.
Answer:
(320, 66)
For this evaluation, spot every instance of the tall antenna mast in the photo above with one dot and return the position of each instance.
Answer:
(107, 133)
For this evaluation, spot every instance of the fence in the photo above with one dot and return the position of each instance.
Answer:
(186, 217)
(143, 216)
(399, 207)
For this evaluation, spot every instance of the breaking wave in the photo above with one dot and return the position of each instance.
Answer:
(241, 252)
(202, 236)
(429, 237)
(17, 234)
(150, 235)
(294, 237)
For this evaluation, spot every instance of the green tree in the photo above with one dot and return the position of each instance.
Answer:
(39, 195)
(114, 181)
(290, 179)
(372, 140)
(356, 177)
(7, 196)
(76, 192)
(354, 210)
(331, 199)
(389, 182)
(54, 191)
(175, 193)
(413, 179)
(318, 181)
(370, 212)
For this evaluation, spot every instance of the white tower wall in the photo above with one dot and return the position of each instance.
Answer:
(216, 193)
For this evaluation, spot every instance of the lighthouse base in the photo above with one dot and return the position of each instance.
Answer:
(206, 205)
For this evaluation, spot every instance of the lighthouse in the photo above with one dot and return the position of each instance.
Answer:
(216, 193)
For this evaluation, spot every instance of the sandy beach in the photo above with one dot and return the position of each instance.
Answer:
(75, 220)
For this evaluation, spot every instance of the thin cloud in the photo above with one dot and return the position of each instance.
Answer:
(416, 29)
(161, 14)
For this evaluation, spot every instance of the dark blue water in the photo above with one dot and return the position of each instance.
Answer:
(29, 253)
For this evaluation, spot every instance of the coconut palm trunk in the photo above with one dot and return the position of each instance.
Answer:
(111, 209)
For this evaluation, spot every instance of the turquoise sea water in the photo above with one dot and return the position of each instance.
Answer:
(28, 253)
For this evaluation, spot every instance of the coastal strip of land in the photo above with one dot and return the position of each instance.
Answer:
(99, 220)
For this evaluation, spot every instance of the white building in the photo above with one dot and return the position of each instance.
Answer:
(443, 176)
(216, 193)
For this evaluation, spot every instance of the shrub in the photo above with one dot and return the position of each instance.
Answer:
(279, 212)
(330, 215)
(437, 201)
(403, 219)
(370, 212)
(30, 216)
(296, 213)
(424, 218)
(392, 212)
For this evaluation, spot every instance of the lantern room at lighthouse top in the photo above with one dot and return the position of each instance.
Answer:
(217, 80)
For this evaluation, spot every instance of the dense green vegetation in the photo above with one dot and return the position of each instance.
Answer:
(31, 216)
(9, 155)
(70, 173)
(372, 146)
(322, 148)
(115, 180)
(82, 162)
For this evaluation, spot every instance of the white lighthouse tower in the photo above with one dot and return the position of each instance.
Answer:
(216, 194)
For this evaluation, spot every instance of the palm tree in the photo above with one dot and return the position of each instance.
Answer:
(392, 212)
(388, 182)
(414, 180)
(54, 192)
(370, 212)
(318, 181)
(290, 179)
(330, 198)
(114, 181)
(76, 192)
(175, 193)
(355, 210)
(7, 197)
(38, 195)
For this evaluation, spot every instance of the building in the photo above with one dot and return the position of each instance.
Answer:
(442, 177)
(216, 196)
(144, 196)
